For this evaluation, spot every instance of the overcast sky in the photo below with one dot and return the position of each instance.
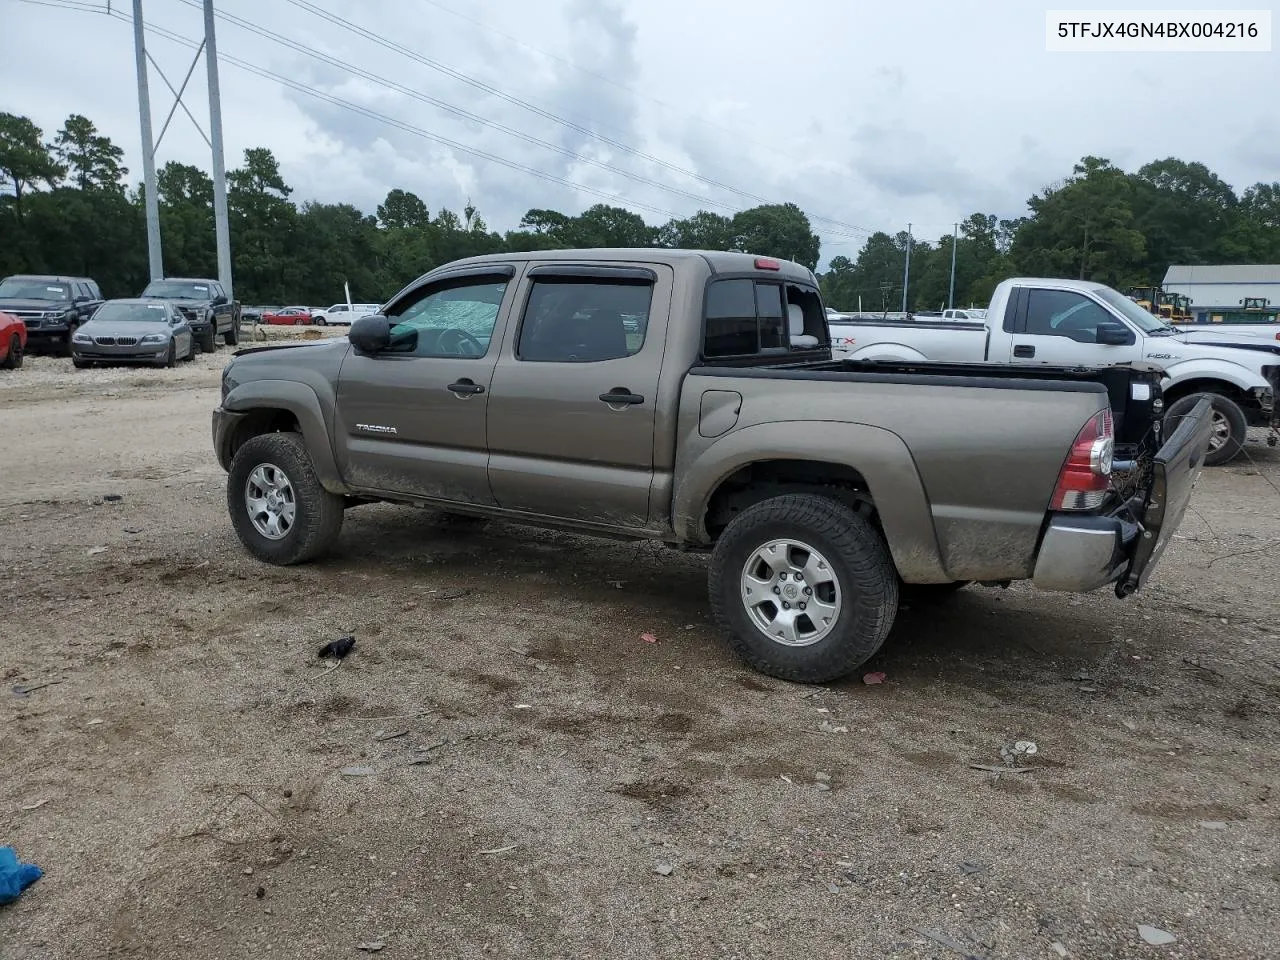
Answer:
(871, 115)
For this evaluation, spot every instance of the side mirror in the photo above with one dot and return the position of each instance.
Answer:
(219, 300)
(1114, 335)
(370, 334)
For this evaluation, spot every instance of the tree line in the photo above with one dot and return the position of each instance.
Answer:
(67, 207)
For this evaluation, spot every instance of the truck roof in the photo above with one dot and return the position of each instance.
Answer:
(718, 260)
(1056, 283)
(52, 277)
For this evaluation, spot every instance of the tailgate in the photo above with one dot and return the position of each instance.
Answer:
(1174, 473)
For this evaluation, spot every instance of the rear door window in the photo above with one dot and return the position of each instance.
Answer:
(581, 321)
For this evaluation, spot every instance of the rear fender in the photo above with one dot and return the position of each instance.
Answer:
(878, 455)
(300, 400)
(886, 351)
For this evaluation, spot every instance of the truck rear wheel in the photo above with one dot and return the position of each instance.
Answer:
(804, 587)
(280, 510)
(1230, 427)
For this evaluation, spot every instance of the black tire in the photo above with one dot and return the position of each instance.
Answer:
(1231, 427)
(71, 332)
(80, 364)
(209, 340)
(320, 321)
(171, 355)
(930, 592)
(13, 359)
(318, 513)
(191, 350)
(859, 562)
(233, 335)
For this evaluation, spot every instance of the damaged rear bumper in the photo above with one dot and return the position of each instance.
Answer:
(1079, 553)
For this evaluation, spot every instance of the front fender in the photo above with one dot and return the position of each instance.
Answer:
(1181, 371)
(880, 456)
(302, 401)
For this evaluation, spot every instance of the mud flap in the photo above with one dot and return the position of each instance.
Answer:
(1175, 470)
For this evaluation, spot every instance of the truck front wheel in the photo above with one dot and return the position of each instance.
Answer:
(280, 510)
(1230, 427)
(804, 587)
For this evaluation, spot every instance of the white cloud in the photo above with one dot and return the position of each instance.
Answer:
(869, 115)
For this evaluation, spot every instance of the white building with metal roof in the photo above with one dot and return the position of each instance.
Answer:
(1224, 286)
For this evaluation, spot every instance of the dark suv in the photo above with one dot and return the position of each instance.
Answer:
(50, 307)
(206, 306)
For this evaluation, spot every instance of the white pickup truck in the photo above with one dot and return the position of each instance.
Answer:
(1070, 322)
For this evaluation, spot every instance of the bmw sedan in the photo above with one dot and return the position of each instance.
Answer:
(132, 331)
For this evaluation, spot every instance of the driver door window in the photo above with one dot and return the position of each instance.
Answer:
(1061, 313)
(455, 321)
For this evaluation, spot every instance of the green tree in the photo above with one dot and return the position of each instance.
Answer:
(702, 231)
(91, 160)
(186, 220)
(403, 209)
(1183, 211)
(777, 230)
(25, 158)
(263, 222)
(1084, 228)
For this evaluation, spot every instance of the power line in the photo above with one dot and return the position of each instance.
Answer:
(425, 134)
(533, 108)
(78, 5)
(458, 111)
(598, 76)
(399, 124)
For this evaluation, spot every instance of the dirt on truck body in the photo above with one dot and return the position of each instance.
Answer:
(691, 398)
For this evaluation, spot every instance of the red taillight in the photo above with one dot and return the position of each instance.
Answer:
(1086, 476)
(764, 263)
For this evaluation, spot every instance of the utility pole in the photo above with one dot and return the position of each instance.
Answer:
(221, 225)
(955, 239)
(154, 256)
(1084, 255)
(906, 272)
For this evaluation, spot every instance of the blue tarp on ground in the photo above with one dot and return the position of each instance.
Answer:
(14, 876)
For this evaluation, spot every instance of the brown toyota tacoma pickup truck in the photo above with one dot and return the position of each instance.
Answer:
(691, 398)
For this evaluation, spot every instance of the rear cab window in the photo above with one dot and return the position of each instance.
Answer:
(746, 317)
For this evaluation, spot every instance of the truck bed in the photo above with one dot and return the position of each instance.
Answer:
(1132, 406)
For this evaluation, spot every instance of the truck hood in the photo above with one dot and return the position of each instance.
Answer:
(1169, 351)
(179, 301)
(1241, 341)
(46, 306)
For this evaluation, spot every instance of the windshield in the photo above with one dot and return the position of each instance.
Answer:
(1144, 321)
(154, 312)
(177, 290)
(16, 288)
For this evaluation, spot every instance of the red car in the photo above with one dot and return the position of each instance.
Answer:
(288, 317)
(13, 341)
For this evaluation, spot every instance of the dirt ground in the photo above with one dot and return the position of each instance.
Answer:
(504, 768)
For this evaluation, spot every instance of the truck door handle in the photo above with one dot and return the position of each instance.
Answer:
(1024, 350)
(465, 388)
(621, 395)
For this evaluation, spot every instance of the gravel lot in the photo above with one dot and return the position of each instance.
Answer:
(533, 780)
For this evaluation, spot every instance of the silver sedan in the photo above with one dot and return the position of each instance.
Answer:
(124, 331)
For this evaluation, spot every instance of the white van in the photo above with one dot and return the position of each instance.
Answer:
(341, 314)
